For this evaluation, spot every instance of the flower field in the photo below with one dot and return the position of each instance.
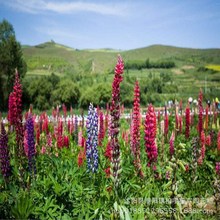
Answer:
(113, 163)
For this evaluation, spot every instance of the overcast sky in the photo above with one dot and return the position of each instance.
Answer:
(118, 24)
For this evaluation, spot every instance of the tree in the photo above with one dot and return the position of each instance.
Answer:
(10, 59)
(67, 92)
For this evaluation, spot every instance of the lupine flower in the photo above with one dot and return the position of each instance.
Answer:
(25, 143)
(17, 114)
(125, 136)
(167, 176)
(177, 122)
(106, 122)
(37, 133)
(202, 142)
(208, 141)
(81, 158)
(187, 124)
(76, 129)
(108, 151)
(200, 123)
(217, 168)
(108, 172)
(181, 105)
(49, 140)
(11, 109)
(218, 141)
(92, 139)
(80, 136)
(132, 147)
(43, 150)
(162, 127)
(115, 116)
(101, 128)
(166, 123)
(207, 117)
(180, 124)
(135, 134)
(172, 138)
(4, 153)
(150, 136)
(45, 125)
(66, 141)
(31, 144)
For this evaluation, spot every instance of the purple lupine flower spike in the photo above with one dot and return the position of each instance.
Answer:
(92, 140)
(31, 144)
(4, 153)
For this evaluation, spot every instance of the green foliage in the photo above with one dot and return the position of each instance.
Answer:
(139, 64)
(66, 92)
(23, 206)
(10, 59)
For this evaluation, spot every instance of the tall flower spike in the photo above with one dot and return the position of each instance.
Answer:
(17, 114)
(76, 129)
(200, 123)
(187, 124)
(4, 153)
(150, 136)
(101, 128)
(92, 139)
(166, 123)
(218, 141)
(172, 138)
(135, 134)
(31, 145)
(17, 106)
(11, 109)
(115, 117)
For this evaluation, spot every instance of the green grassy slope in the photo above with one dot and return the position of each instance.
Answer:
(51, 57)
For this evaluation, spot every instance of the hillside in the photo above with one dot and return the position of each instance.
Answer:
(60, 57)
(194, 69)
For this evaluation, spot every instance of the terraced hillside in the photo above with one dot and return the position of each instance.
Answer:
(194, 68)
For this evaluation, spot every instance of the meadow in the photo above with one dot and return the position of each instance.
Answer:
(108, 163)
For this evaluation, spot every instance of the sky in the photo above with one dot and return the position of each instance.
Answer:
(116, 24)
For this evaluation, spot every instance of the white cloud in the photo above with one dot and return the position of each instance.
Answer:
(66, 7)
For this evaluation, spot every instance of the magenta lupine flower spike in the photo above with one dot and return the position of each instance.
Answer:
(166, 123)
(187, 120)
(150, 136)
(135, 133)
(4, 153)
(101, 134)
(217, 168)
(17, 114)
(172, 150)
(200, 123)
(115, 116)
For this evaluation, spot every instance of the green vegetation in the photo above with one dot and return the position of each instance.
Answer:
(165, 73)
(10, 59)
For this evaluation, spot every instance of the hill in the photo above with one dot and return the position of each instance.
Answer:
(58, 57)
(194, 69)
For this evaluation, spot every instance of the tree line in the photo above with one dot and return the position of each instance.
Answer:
(147, 64)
